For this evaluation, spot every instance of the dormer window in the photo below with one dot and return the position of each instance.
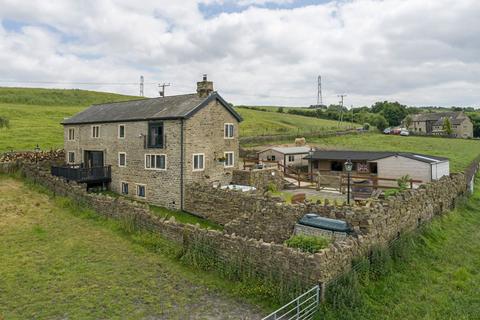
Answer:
(156, 136)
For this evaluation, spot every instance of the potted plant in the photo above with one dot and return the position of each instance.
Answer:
(221, 160)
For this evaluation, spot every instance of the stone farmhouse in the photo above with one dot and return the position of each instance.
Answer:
(432, 124)
(154, 147)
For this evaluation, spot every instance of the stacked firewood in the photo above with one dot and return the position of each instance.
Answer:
(32, 156)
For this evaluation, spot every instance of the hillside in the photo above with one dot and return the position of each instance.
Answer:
(35, 116)
(272, 123)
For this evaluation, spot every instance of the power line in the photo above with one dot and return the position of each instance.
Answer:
(162, 89)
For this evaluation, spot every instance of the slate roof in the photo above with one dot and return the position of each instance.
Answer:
(371, 156)
(456, 117)
(170, 107)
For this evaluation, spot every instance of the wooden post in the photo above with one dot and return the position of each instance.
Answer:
(323, 288)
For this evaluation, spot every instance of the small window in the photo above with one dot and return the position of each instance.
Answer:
(122, 159)
(291, 158)
(71, 157)
(229, 131)
(141, 190)
(156, 161)
(336, 166)
(229, 159)
(71, 134)
(198, 162)
(273, 158)
(121, 131)
(155, 135)
(124, 188)
(95, 131)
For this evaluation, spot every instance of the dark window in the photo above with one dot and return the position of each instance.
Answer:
(291, 158)
(229, 130)
(122, 159)
(71, 157)
(124, 188)
(336, 166)
(141, 191)
(156, 161)
(121, 131)
(273, 158)
(155, 135)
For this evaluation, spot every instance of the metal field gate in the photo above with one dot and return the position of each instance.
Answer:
(301, 308)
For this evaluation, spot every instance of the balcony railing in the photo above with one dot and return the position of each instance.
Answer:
(83, 175)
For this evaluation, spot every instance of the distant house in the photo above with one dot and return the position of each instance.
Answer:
(287, 156)
(433, 124)
(154, 147)
(392, 165)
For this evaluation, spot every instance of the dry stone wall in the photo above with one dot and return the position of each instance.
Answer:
(374, 225)
(259, 178)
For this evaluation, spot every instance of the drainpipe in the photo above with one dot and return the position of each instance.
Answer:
(182, 156)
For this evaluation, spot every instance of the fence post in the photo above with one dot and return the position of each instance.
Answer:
(322, 288)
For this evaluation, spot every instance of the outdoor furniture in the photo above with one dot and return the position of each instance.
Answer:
(298, 198)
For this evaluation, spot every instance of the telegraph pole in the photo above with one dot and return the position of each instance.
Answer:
(141, 87)
(162, 89)
(341, 96)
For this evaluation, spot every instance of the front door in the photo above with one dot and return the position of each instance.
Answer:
(94, 159)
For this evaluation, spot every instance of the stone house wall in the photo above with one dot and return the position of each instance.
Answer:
(203, 133)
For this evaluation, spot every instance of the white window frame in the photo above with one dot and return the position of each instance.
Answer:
(193, 162)
(68, 156)
(119, 164)
(136, 190)
(292, 156)
(92, 131)
(226, 158)
(68, 134)
(155, 154)
(226, 132)
(124, 131)
(121, 187)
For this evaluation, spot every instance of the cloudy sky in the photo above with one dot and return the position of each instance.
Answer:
(256, 51)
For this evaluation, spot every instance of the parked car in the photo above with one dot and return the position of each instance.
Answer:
(404, 132)
(396, 131)
(387, 130)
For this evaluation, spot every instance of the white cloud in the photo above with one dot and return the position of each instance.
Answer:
(417, 52)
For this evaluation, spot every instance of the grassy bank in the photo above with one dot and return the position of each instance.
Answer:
(431, 275)
(258, 123)
(61, 261)
(461, 152)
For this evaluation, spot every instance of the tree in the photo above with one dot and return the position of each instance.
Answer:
(394, 112)
(4, 123)
(280, 110)
(380, 122)
(408, 122)
(447, 126)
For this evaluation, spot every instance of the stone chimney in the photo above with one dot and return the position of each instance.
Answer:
(204, 87)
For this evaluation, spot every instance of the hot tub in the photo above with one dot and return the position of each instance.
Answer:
(239, 187)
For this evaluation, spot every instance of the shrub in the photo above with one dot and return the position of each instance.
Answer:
(272, 187)
(306, 243)
(366, 126)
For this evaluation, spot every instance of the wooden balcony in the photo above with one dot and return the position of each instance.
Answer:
(80, 174)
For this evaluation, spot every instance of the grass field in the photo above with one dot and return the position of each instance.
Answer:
(438, 278)
(460, 151)
(271, 123)
(35, 116)
(60, 262)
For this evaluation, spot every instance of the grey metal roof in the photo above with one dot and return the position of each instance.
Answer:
(170, 107)
(344, 155)
(289, 150)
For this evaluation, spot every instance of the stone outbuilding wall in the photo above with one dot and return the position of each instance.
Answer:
(259, 178)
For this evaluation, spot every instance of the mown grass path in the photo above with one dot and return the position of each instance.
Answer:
(439, 279)
(56, 265)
